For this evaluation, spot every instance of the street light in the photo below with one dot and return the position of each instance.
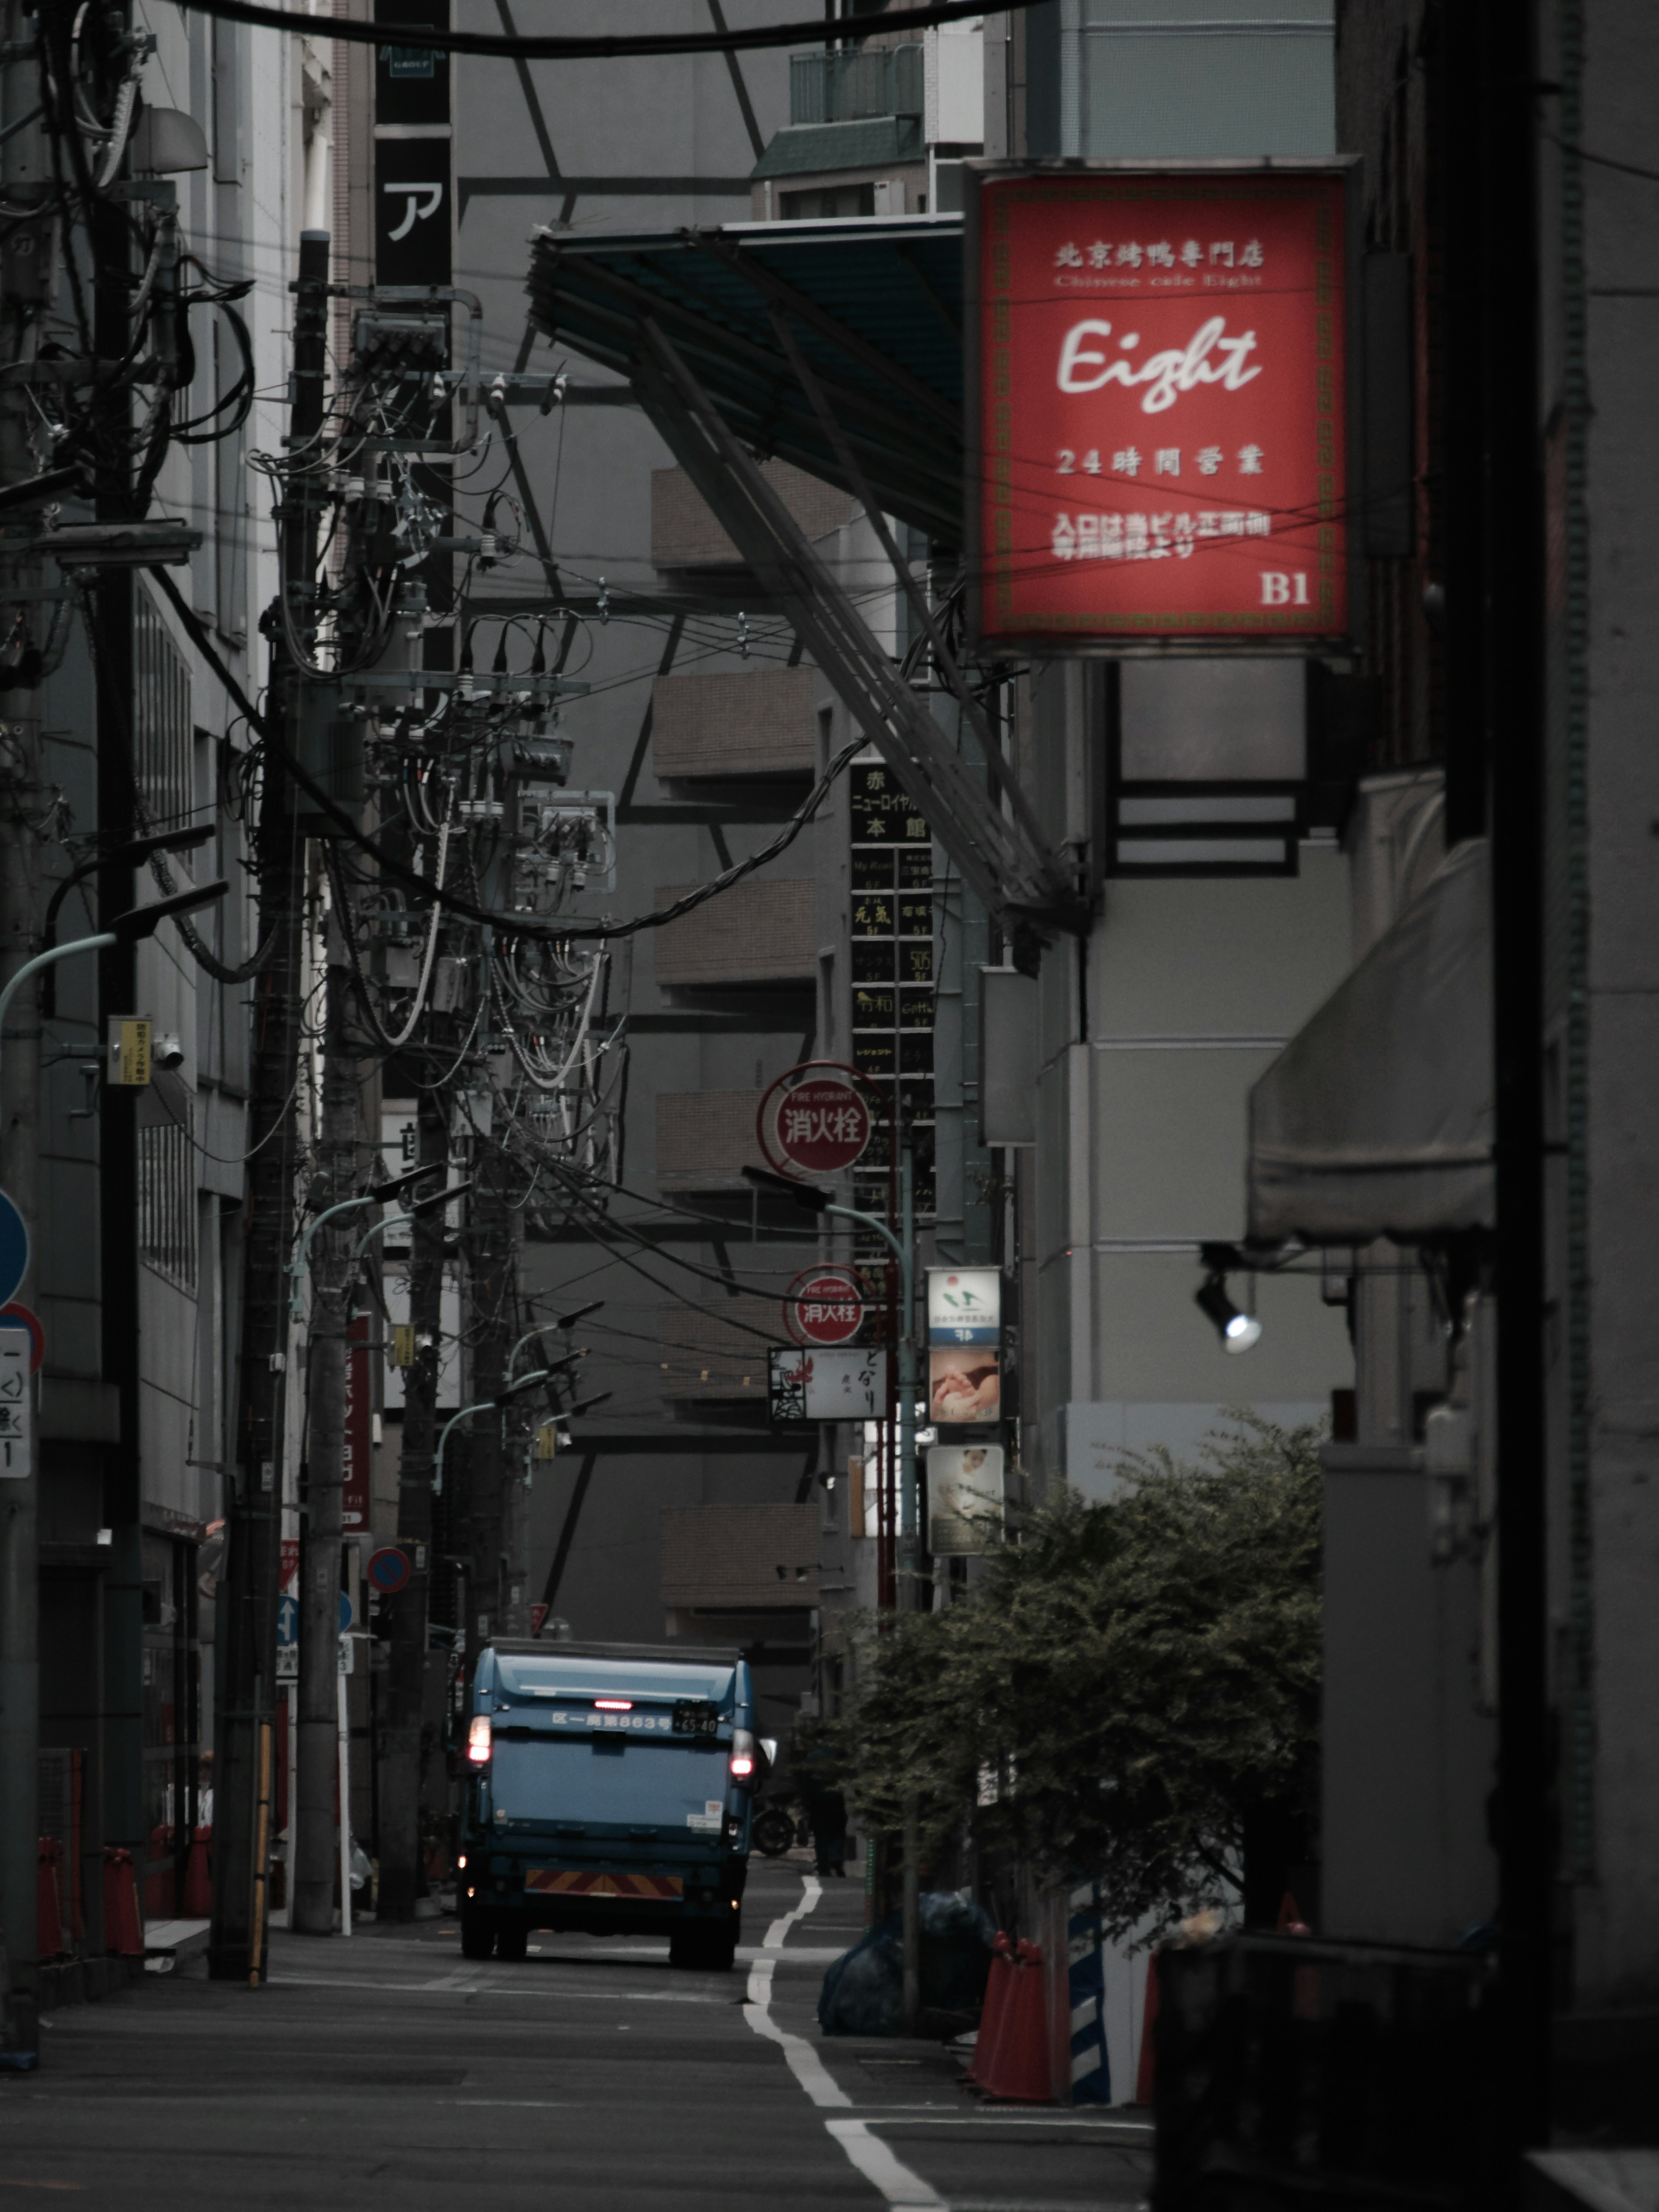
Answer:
(1237, 1330)
(129, 928)
(429, 1204)
(376, 1194)
(819, 1202)
(504, 1397)
(551, 1328)
(114, 856)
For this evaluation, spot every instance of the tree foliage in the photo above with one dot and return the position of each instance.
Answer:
(1132, 1687)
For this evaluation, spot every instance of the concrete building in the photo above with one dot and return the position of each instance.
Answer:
(134, 1211)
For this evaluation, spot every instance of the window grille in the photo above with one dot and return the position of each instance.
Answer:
(166, 1199)
(162, 730)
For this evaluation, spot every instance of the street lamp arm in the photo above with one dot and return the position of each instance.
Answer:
(466, 1414)
(872, 1221)
(483, 1406)
(53, 953)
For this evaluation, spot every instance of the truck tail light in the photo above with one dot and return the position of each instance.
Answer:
(477, 1739)
(744, 1764)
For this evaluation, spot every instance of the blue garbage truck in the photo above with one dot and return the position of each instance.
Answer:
(608, 1788)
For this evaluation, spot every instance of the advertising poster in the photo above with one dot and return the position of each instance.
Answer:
(964, 1486)
(964, 1382)
(964, 1305)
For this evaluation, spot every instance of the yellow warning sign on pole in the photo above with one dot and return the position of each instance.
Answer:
(128, 1058)
(547, 1440)
(403, 1344)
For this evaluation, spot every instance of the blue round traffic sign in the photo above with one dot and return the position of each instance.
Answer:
(388, 1570)
(14, 1250)
(346, 1611)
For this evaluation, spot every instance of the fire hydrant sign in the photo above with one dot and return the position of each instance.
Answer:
(1159, 406)
(825, 1305)
(811, 1124)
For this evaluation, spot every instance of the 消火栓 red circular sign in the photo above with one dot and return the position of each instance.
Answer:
(817, 1125)
(825, 1305)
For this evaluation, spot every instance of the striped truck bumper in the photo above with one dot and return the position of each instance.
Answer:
(641, 1888)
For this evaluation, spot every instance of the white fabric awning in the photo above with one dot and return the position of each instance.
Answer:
(1376, 1120)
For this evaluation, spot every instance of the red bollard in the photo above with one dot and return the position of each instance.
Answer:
(49, 1908)
(123, 1930)
(199, 1876)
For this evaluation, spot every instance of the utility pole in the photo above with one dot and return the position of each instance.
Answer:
(24, 171)
(316, 1850)
(494, 1285)
(248, 1603)
(402, 1731)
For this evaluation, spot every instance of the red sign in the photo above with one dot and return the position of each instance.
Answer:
(388, 1570)
(16, 1316)
(290, 1584)
(811, 1124)
(356, 1510)
(1160, 404)
(825, 1305)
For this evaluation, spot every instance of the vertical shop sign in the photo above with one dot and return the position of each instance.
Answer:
(357, 1501)
(1158, 406)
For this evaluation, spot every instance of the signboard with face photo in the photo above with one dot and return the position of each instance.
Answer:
(965, 1497)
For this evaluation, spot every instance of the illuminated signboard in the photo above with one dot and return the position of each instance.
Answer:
(1158, 406)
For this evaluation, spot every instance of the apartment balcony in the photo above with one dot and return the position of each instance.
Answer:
(754, 933)
(759, 723)
(851, 88)
(705, 1139)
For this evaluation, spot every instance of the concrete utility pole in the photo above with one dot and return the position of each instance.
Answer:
(247, 1632)
(21, 800)
(316, 1851)
(495, 1274)
(404, 1689)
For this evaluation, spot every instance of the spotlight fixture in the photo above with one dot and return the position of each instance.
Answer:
(1237, 1330)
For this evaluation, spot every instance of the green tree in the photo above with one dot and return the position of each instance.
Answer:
(1132, 1687)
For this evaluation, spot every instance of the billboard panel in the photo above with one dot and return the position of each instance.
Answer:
(1158, 406)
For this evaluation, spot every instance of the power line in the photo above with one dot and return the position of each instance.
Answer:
(492, 44)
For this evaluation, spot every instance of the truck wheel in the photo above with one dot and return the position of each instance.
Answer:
(477, 1935)
(511, 1940)
(723, 1950)
(707, 1949)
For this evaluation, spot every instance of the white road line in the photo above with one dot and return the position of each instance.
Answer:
(803, 2061)
(877, 2164)
(343, 1984)
(874, 2159)
(811, 1889)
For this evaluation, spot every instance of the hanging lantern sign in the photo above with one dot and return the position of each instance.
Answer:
(825, 1305)
(814, 1120)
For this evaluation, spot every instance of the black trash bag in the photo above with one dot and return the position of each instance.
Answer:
(863, 1992)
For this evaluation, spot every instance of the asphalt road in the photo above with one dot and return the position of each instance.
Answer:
(388, 2067)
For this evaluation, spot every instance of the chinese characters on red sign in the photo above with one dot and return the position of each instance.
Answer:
(818, 1126)
(825, 1305)
(1161, 407)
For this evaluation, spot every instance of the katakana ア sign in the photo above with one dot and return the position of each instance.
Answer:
(825, 1305)
(1159, 405)
(813, 1121)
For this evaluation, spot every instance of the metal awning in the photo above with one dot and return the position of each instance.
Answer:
(1376, 1120)
(875, 306)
